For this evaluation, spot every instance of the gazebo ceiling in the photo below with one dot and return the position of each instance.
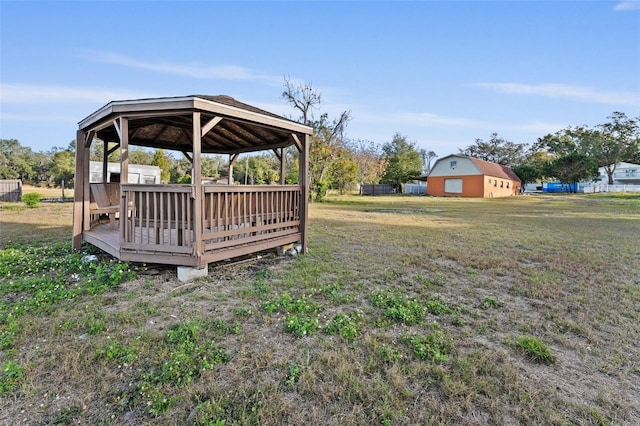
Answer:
(168, 123)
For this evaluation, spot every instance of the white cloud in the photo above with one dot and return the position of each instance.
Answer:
(194, 70)
(33, 93)
(551, 90)
(627, 5)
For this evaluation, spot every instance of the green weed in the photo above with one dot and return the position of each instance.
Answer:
(119, 352)
(294, 370)
(491, 302)
(535, 349)
(301, 324)
(431, 347)
(188, 356)
(398, 306)
(346, 325)
(12, 374)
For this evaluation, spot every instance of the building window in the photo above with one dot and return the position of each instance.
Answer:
(489, 180)
(501, 184)
(453, 164)
(507, 184)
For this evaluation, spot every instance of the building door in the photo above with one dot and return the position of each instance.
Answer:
(453, 186)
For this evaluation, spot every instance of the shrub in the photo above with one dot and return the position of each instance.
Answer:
(31, 199)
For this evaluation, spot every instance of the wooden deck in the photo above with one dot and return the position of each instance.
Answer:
(108, 240)
(161, 224)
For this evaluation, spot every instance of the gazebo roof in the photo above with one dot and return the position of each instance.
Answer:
(168, 123)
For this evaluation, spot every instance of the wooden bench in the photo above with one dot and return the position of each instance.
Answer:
(105, 199)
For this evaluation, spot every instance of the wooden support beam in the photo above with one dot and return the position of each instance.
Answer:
(116, 125)
(187, 156)
(105, 160)
(196, 181)
(303, 178)
(297, 141)
(114, 148)
(283, 165)
(210, 125)
(124, 171)
(84, 177)
(232, 161)
(87, 138)
(78, 193)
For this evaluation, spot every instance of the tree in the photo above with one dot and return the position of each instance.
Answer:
(141, 156)
(369, 159)
(616, 141)
(210, 165)
(527, 173)
(64, 167)
(302, 97)
(161, 160)
(607, 145)
(496, 150)
(326, 146)
(534, 168)
(344, 173)
(257, 170)
(573, 168)
(328, 140)
(427, 156)
(15, 160)
(96, 152)
(404, 162)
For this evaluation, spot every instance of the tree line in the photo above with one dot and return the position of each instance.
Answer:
(342, 163)
(569, 155)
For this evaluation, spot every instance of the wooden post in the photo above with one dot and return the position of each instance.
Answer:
(196, 182)
(105, 160)
(124, 172)
(283, 165)
(303, 178)
(86, 197)
(232, 161)
(78, 192)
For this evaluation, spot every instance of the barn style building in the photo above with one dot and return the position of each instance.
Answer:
(462, 176)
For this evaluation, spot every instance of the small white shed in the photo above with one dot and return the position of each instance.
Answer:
(138, 173)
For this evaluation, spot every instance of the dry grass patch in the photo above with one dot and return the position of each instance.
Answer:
(407, 310)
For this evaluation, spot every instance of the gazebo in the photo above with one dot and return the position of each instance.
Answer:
(193, 224)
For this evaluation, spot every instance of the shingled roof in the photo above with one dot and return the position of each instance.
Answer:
(495, 170)
(167, 123)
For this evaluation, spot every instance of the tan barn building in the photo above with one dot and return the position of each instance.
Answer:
(463, 176)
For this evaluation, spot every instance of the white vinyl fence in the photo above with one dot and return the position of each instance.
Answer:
(591, 189)
(414, 188)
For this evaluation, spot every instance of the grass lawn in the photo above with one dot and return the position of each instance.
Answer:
(406, 310)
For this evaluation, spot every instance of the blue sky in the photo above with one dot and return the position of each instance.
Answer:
(441, 73)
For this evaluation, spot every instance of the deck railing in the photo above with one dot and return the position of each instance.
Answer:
(238, 215)
(160, 218)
